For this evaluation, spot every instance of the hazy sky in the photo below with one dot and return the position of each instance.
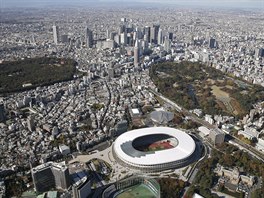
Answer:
(206, 3)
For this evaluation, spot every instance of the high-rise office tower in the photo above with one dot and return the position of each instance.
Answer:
(2, 113)
(139, 33)
(107, 34)
(122, 29)
(82, 189)
(170, 36)
(212, 43)
(61, 176)
(259, 52)
(144, 45)
(55, 34)
(154, 34)
(136, 54)
(117, 39)
(167, 44)
(88, 38)
(147, 34)
(64, 38)
(135, 36)
(160, 37)
(50, 175)
(123, 38)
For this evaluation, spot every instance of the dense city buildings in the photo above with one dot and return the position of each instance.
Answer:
(100, 119)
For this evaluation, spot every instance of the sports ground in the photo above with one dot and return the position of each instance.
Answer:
(162, 145)
(138, 191)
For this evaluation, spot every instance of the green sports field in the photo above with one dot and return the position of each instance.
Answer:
(139, 191)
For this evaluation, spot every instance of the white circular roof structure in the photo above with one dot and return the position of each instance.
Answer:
(182, 150)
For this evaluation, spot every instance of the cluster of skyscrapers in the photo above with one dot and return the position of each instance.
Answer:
(57, 38)
(126, 36)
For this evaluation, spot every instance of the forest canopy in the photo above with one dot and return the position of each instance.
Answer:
(30, 73)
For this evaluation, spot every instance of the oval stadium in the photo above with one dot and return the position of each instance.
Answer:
(154, 149)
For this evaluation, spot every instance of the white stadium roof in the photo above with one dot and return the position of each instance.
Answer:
(184, 149)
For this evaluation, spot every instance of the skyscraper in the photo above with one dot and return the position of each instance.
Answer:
(55, 34)
(2, 113)
(123, 38)
(122, 29)
(259, 52)
(64, 38)
(147, 34)
(160, 37)
(136, 54)
(212, 43)
(88, 38)
(82, 189)
(167, 45)
(154, 34)
(170, 36)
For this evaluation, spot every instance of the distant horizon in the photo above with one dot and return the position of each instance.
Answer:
(233, 4)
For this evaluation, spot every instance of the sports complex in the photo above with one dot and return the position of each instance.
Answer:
(154, 149)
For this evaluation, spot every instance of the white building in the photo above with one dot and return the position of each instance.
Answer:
(249, 133)
(64, 150)
(55, 34)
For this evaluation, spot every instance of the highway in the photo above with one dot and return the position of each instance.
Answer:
(251, 150)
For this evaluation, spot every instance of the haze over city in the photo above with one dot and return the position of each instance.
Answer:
(248, 4)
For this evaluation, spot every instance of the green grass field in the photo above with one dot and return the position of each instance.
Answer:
(139, 191)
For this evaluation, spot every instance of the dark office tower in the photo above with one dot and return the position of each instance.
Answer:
(64, 38)
(122, 29)
(136, 54)
(154, 34)
(139, 34)
(2, 113)
(170, 36)
(43, 178)
(88, 38)
(259, 52)
(55, 34)
(81, 189)
(147, 33)
(212, 43)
